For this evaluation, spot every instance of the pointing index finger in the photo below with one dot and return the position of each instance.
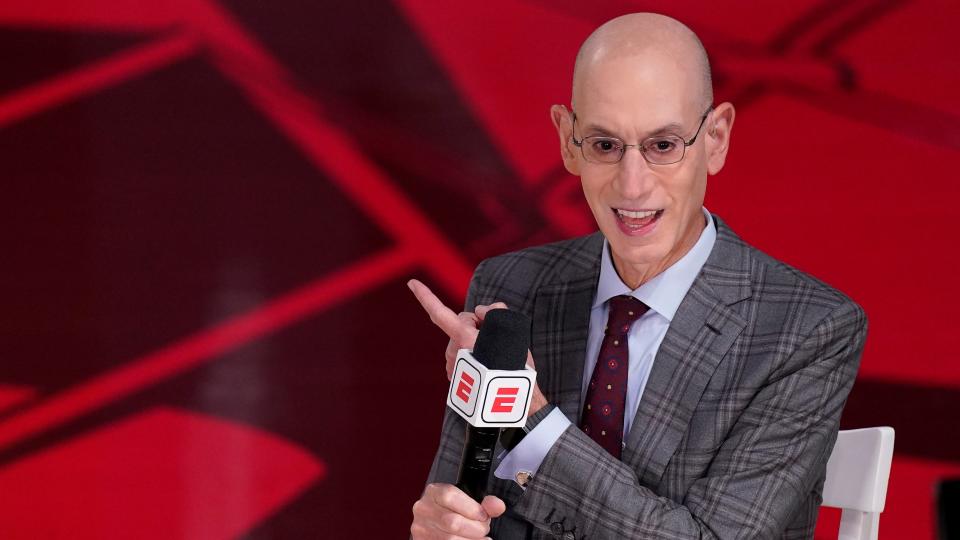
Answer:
(440, 314)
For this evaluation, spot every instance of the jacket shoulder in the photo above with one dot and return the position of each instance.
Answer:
(798, 303)
(514, 277)
(773, 275)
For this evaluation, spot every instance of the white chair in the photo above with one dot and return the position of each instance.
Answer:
(857, 474)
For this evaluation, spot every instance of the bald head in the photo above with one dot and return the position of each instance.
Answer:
(641, 37)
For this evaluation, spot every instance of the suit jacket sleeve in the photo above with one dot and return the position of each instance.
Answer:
(770, 460)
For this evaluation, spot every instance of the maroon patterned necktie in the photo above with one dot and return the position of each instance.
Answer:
(605, 404)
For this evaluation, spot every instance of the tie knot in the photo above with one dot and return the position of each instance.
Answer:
(624, 310)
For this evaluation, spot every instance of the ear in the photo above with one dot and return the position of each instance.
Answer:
(718, 129)
(563, 121)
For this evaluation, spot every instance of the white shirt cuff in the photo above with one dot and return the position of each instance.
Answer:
(527, 456)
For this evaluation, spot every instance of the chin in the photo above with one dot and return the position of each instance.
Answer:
(630, 253)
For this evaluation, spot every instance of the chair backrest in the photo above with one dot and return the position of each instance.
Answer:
(856, 482)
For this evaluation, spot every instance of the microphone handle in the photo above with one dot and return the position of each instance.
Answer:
(476, 461)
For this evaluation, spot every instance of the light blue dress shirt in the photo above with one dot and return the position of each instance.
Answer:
(662, 295)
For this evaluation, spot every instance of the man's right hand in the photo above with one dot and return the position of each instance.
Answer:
(445, 512)
(462, 329)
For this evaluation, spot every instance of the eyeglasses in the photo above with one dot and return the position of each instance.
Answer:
(657, 150)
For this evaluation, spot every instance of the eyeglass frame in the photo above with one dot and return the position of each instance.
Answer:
(640, 146)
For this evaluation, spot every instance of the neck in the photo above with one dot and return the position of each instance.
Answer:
(635, 275)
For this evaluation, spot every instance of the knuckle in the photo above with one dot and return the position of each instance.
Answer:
(418, 531)
(452, 522)
(447, 497)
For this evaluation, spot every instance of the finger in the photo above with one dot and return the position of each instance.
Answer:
(451, 357)
(461, 526)
(467, 339)
(481, 311)
(441, 315)
(470, 320)
(452, 349)
(422, 532)
(493, 506)
(469, 330)
(429, 519)
(453, 498)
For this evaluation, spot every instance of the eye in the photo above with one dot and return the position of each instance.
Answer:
(661, 146)
(605, 146)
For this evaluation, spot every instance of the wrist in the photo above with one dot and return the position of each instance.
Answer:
(538, 401)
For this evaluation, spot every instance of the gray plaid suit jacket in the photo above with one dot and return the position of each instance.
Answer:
(735, 425)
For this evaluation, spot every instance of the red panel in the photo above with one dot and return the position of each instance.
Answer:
(910, 510)
(510, 68)
(866, 209)
(106, 15)
(842, 164)
(161, 474)
(204, 346)
(92, 78)
(910, 55)
(11, 396)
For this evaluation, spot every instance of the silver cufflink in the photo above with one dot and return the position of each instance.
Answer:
(523, 478)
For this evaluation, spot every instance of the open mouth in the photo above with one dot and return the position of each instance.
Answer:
(637, 220)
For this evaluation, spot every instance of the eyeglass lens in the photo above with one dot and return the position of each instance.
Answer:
(661, 150)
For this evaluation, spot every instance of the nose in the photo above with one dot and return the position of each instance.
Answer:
(634, 178)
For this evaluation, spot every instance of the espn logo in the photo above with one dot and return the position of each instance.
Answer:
(465, 386)
(506, 398)
(502, 405)
(489, 398)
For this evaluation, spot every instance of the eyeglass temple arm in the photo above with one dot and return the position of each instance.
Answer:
(697, 134)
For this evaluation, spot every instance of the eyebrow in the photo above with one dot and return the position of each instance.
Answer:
(672, 128)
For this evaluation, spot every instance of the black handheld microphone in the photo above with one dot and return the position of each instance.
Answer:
(502, 344)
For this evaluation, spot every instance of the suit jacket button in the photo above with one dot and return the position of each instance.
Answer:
(556, 528)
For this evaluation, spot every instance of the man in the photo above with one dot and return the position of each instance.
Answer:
(689, 386)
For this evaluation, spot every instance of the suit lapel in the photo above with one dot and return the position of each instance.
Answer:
(703, 329)
(561, 322)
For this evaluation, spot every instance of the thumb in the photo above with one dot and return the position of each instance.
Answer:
(481, 311)
(493, 506)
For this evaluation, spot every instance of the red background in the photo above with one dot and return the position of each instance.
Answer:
(210, 209)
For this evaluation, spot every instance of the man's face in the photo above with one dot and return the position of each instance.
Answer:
(650, 214)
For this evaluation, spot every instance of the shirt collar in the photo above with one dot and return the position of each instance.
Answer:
(666, 290)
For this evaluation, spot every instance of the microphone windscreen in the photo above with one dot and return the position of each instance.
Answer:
(503, 340)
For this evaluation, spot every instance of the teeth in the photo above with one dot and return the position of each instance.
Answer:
(636, 215)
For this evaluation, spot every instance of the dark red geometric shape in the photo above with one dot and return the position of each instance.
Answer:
(164, 473)
(11, 395)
